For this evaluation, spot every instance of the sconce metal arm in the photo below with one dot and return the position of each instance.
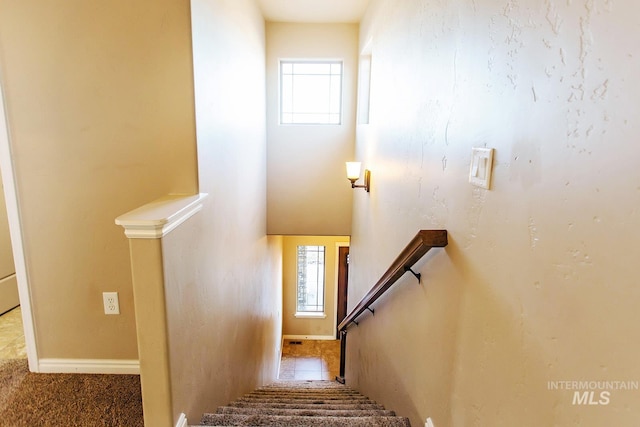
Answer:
(367, 181)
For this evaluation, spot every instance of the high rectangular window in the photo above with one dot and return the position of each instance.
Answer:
(311, 92)
(310, 279)
(364, 89)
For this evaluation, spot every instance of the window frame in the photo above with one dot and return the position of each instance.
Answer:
(323, 285)
(329, 112)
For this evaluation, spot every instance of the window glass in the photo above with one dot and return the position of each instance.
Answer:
(310, 279)
(310, 92)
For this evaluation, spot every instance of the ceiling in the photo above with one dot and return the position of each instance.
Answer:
(313, 11)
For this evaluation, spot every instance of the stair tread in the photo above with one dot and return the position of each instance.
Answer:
(307, 401)
(306, 406)
(279, 420)
(310, 397)
(299, 389)
(303, 395)
(305, 384)
(307, 412)
(304, 403)
(297, 392)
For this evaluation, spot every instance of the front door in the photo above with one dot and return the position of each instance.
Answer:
(343, 280)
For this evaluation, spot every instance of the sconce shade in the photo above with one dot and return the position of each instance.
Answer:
(353, 174)
(353, 171)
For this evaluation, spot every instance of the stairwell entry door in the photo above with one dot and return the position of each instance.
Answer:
(343, 281)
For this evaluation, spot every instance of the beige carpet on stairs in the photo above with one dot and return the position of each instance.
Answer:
(304, 403)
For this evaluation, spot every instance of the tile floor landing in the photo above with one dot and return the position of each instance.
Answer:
(12, 344)
(310, 360)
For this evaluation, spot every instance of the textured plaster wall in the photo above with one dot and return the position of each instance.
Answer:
(223, 316)
(308, 193)
(223, 274)
(99, 103)
(538, 282)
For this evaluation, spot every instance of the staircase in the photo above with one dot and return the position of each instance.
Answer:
(304, 403)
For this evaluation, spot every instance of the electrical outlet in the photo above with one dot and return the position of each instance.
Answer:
(111, 304)
(428, 423)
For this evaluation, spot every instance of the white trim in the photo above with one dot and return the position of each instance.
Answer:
(15, 229)
(335, 296)
(89, 366)
(310, 315)
(182, 421)
(309, 337)
(158, 218)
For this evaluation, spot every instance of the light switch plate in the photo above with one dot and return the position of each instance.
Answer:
(480, 168)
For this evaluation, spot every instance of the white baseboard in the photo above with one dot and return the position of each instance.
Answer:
(309, 337)
(182, 421)
(89, 366)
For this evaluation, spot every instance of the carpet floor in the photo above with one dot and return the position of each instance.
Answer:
(57, 400)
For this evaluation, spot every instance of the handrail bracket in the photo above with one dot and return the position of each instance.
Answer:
(418, 275)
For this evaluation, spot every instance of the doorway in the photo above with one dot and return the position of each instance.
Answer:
(13, 218)
(309, 349)
(9, 298)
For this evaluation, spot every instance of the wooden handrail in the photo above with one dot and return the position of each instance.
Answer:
(419, 245)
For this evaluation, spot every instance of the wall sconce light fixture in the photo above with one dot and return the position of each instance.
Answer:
(353, 174)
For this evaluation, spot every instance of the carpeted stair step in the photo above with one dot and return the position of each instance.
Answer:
(305, 390)
(306, 412)
(306, 400)
(314, 396)
(304, 385)
(306, 395)
(308, 403)
(356, 406)
(278, 420)
(302, 392)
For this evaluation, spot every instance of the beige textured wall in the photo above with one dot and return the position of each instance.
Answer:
(304, 326)
(223, 274)
(150, 300)
(100, 109)
(308, 193)
(223, 317)
(538, 281)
